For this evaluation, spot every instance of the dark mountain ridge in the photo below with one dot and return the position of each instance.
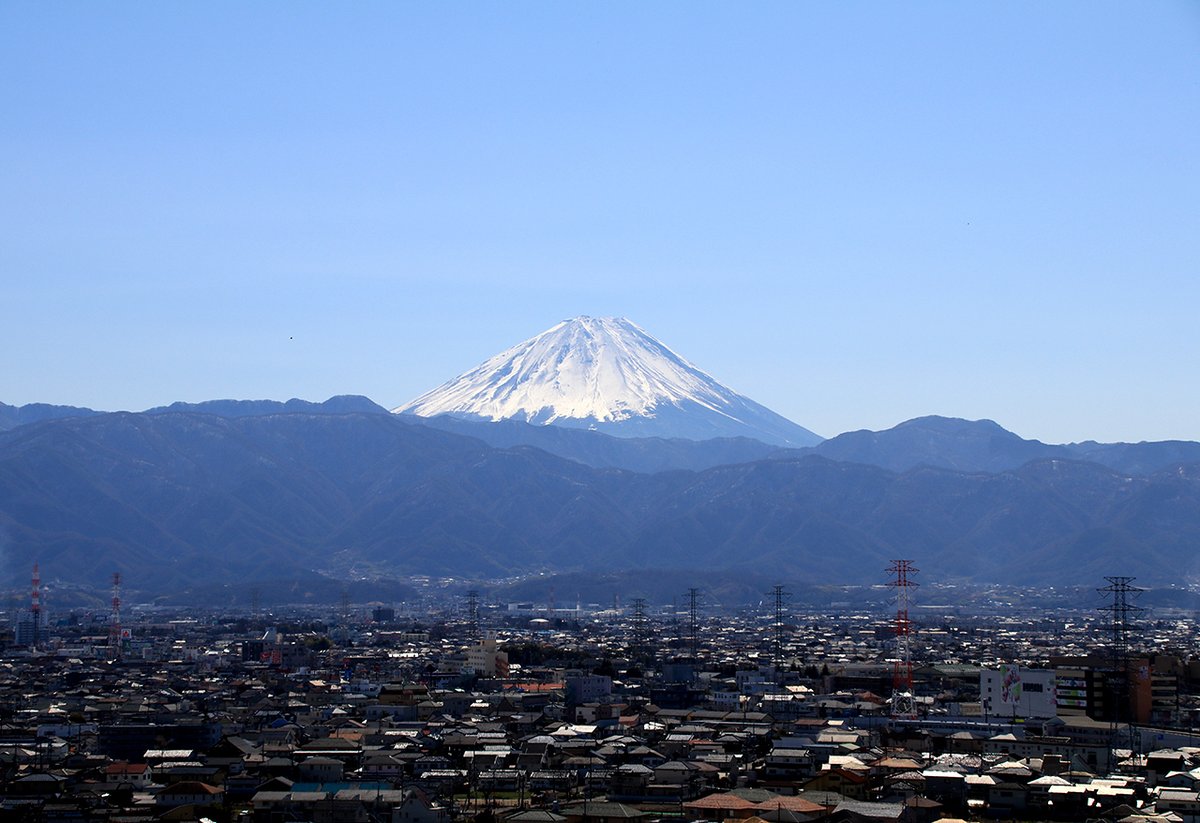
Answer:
(13, 416)
(984, 446)
(181, 500)
(640, 454)
(945, 442)
(338, 404)
(940, 442)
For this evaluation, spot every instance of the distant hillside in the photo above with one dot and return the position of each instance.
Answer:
(13, 416)
(182, 501)
(340, 404)
(935, 442)
(983, 446)
(1138, 458)
(602, 451)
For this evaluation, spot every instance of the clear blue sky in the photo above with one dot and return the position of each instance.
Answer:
(854, 213)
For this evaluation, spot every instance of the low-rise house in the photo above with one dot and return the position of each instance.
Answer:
(1181, 780)
(946, 786)
(137, 775)
(557, 780)
(789, 764)
(321, 769)
(415, 807)
(853, 785)
(720, 806)
(1182, 802)
(630, 781)
(601, 812)
(190, 793)
(1007, 799)
(1039, 789)
(789, 808)
(858, 811)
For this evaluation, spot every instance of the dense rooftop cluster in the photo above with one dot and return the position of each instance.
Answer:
(539, 715)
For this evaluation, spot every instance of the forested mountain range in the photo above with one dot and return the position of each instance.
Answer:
(174, 498)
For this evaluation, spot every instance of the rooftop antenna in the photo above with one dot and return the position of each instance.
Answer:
(903, 705)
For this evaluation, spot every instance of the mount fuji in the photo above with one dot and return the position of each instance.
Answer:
(608, 375)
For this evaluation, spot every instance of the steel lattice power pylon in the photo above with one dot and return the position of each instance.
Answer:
(694, 622)
(473, 615)
(114, 620)
(35, 609)
(903, 704)
(781, 596)
(1122, 614)
(638, 636)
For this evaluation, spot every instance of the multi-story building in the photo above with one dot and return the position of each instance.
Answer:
(1017, 692)
(486, 660)
(586, 688)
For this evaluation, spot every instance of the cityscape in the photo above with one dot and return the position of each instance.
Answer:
(622, 412)
(458, 707)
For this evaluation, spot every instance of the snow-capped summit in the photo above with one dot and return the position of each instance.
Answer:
(605, 373)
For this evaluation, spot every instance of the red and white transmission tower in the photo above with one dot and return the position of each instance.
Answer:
(903, 705)
(114, 624)
(35, 609)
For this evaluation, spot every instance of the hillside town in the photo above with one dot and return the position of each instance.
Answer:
(474, 710)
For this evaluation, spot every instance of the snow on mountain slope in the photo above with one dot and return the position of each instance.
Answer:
(610, 375)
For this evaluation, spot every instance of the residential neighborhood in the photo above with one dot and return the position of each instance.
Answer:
(599, 714)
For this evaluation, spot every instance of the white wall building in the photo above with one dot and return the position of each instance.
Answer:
(486, 659)
(1013, 691)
